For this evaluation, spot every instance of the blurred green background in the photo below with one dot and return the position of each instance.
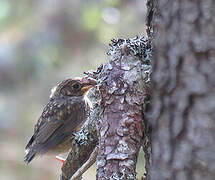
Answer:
(41, 43)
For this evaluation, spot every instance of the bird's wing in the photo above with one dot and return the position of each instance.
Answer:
(57, 122)
(47, 130)
(47, 122)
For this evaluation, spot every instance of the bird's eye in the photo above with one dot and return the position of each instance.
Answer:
(76, 86)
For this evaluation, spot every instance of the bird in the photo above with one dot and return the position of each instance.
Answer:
(62, 116)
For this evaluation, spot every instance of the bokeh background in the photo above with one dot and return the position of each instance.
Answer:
(41, 43)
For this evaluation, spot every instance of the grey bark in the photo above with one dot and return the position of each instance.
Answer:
(183, 96)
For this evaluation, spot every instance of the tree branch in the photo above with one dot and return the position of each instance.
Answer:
(86, 165)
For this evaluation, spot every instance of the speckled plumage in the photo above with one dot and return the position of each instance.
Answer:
(64, 114)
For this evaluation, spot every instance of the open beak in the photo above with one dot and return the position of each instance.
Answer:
(88, 83)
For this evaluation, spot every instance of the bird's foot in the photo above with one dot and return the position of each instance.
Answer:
(61, 159)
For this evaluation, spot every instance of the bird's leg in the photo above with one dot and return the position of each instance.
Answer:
(61, 159)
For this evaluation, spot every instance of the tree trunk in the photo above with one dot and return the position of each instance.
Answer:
(183, 97)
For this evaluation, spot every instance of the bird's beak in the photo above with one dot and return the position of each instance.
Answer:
(88, 83)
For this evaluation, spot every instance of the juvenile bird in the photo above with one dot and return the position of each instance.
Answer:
(64, 114)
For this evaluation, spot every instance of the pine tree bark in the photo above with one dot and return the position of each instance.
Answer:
(124, 85)
(183, 97)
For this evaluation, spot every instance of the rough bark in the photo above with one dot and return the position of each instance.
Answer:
(183, 98)
(124, 84)
(151, 17)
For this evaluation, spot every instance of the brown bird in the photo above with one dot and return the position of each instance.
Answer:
(64, 114)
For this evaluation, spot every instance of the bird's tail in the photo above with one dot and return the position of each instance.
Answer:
(29, 156)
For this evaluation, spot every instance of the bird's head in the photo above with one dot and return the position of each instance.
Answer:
(73, 87)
